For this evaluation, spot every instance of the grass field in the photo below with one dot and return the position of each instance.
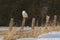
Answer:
(27, 32)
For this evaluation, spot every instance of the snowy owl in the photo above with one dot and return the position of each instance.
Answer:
(24, 14)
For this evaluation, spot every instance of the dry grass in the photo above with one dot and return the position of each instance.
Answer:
(10, 35)
(37, 32)
(29, 33)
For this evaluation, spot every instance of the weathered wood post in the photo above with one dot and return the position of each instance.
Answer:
(25, 15)
(47, 20)
(11, 24)
(33, 23)
(55, 19)
(10, 35)
(11, 31)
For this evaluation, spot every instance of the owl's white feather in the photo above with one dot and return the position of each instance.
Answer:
(24, 14)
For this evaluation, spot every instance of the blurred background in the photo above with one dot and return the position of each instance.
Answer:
(34, 8)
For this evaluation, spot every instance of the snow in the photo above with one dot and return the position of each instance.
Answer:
(1, 38)
(55, 34)
(36, 39)
(18, 28)
(3, 28)
(39, 39)
(27, 39)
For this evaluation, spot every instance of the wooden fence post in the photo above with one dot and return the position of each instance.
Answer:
(55, 19)
(47, 20)
(25, 15)
(33, 23)
(23, 23)
(11, 24)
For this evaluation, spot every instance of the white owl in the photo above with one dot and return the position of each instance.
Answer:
(24, 14)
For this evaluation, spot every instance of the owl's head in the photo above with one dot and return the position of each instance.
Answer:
(24, 14)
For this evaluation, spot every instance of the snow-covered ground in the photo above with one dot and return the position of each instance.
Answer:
(48, 36)
(18, 28)
(36, 39)
(54, 34)
(39, 39)
(7, 28)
